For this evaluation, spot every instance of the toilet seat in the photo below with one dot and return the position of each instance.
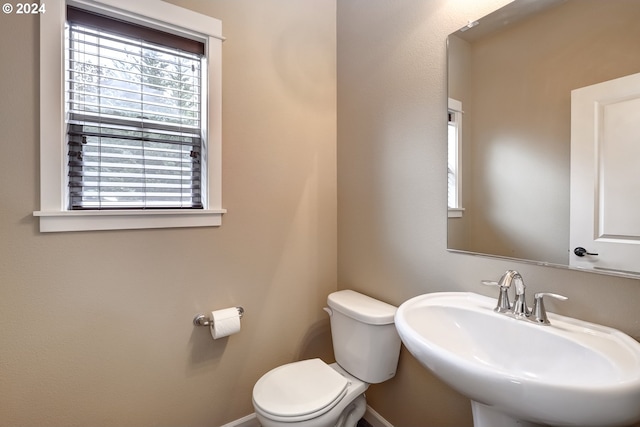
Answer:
(299, 391)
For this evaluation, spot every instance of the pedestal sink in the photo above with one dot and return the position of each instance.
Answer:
(517, 373)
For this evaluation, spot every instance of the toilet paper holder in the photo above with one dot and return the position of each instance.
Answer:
(202, 320)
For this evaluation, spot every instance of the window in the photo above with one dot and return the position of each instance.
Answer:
(134, 131)
(134, 125)
(454, 181)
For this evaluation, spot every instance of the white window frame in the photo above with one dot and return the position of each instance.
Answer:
(455, 148)
(54, 214)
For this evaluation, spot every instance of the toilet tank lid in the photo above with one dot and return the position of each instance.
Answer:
(362, 307)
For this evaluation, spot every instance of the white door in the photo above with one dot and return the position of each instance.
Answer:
(605, 175)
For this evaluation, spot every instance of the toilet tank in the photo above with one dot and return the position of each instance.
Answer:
(365, 341)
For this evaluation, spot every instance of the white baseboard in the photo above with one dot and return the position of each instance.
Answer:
(375, 419)
(249, 421)
(371, 416)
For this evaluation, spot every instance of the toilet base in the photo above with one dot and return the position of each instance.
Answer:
(352, 414)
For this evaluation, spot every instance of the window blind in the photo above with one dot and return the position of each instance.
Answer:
(134, 118)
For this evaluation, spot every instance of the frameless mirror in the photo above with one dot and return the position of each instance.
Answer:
(511, 75)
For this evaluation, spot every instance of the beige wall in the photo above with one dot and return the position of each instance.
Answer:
(96, 326)
(392, 191)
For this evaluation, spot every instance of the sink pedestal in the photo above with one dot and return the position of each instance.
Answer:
(486, 416)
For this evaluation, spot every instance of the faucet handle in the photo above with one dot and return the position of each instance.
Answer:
(538, 306)
(503, 298)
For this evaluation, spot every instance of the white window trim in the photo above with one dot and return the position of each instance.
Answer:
(53, 214)
(455, 107)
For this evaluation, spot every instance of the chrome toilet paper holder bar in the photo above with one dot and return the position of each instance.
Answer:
(202, 320)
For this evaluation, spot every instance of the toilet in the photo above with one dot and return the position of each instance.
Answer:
(312, 393)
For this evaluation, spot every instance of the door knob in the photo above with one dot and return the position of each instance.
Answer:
(582, 252)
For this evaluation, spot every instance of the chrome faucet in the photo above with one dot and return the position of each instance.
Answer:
(504, 305)
(539, 312)
(519, 310)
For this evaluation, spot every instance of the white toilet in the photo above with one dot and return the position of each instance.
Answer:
(311, 393)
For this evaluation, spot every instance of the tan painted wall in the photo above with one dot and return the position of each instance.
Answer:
(96, 326)
(392, 191)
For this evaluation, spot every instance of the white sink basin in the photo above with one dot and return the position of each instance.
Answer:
(569, 373)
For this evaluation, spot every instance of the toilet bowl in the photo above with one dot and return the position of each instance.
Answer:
(309, 393)
(312, 393)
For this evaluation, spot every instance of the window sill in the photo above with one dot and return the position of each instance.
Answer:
(455, 212)
(56, 221)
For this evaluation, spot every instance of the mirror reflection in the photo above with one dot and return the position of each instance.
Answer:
(510, 80)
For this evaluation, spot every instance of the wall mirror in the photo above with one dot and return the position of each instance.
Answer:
(511, 75)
